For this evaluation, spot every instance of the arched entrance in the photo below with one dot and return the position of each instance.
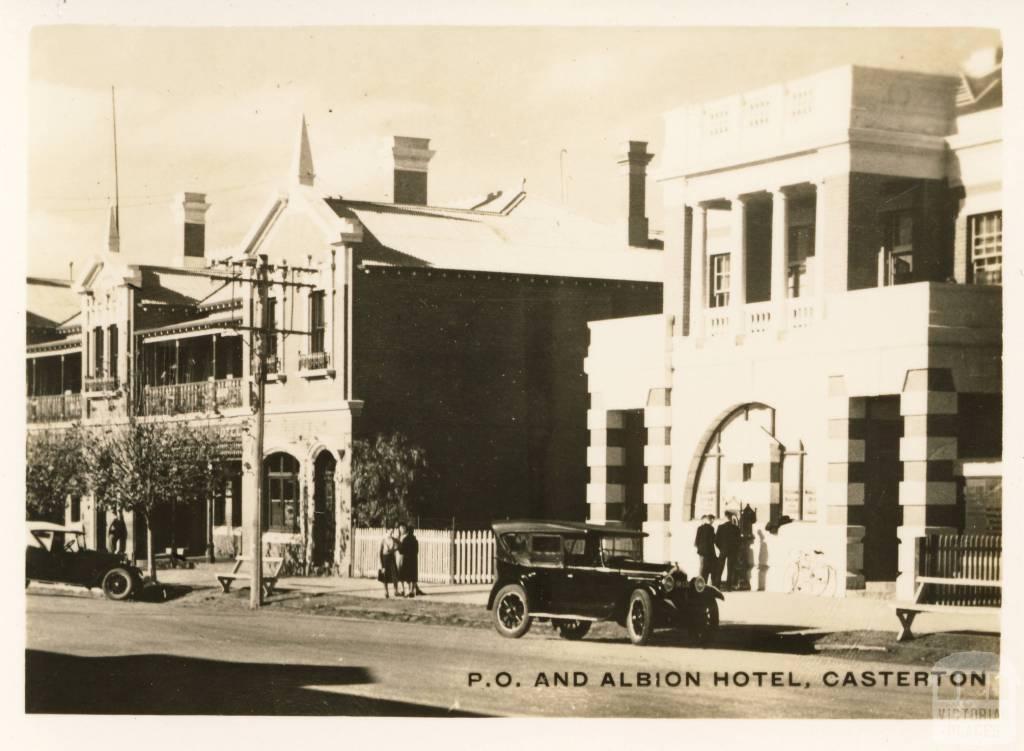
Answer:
(323, 508)
(740, 467)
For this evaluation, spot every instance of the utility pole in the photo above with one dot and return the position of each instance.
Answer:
(255, 272)
(258, 370)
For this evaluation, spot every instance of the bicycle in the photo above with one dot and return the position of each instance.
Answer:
(810, 574)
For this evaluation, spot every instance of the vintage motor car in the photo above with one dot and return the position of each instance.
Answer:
(573, 574)
(55, 553)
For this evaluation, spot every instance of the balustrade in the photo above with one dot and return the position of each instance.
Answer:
(759, 318)
(55, 408)
(185, 398)
(314, 361)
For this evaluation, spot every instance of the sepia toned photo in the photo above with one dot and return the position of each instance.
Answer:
(494, 371)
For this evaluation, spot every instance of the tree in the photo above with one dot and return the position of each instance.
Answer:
(54, 469)
(140, 466)
(387, 475)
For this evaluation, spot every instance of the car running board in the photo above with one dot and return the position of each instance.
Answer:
(565, 617)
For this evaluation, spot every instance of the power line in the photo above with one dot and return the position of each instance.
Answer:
(167, 196)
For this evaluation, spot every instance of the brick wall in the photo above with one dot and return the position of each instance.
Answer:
(486, 373)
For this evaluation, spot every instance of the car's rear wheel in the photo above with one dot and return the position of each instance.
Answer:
(572, 630)
(117, 584)
(705, 622)
(511, 613)
(640, 617)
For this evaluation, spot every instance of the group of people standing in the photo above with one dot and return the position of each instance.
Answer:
(399, 561)
(718, 547)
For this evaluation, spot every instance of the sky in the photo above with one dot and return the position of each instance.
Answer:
(217, 110)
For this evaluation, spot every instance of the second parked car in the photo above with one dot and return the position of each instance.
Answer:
(573, 574)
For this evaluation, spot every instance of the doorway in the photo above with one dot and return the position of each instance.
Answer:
(883, 428)
(323, 509)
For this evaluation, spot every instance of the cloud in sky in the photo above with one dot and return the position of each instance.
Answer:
(217, 110)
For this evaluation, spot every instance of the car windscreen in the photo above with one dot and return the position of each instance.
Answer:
(39, 539)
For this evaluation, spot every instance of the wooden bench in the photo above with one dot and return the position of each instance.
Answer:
(271, 568)
(907, 611)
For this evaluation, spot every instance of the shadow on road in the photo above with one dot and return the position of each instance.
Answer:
(744, 637)
(170, 685)
(162, 592)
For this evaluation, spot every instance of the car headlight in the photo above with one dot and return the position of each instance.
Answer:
(668, 582)
(698, 583)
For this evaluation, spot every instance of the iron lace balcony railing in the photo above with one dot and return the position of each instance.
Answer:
(186, 398)
(55, 408)
(315, 361)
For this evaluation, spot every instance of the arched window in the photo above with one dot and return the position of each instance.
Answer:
(281, 493)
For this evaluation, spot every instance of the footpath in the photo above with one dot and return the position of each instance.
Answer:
(785, 612)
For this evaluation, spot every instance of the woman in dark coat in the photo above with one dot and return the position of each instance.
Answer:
(409, 570)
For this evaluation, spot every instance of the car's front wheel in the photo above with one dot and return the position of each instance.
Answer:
(511, 613)
(705, 622)
(572, 630)
(640, 617)
(117, 584)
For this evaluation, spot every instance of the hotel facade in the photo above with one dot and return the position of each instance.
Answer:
(827, 362)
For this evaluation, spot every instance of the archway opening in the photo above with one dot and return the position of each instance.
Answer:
(323, 508)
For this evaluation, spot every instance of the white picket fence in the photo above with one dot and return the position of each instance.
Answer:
(446, 556)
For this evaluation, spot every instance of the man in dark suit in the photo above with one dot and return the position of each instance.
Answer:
(705, 544)
(727, 539)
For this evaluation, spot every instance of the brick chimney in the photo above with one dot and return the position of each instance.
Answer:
(412, 155)
(635, 164)
(192, 214)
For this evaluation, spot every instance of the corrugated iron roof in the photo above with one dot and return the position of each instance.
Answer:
(534, 239)
(50, 302)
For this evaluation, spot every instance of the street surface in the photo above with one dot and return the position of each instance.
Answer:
(87, 655)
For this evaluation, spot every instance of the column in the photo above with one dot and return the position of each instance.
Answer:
(928, 450)
(844, 489)
(779, 259)
(606, 458)
(698, 271)
(820, 230)
(658, 460)
(738, 262)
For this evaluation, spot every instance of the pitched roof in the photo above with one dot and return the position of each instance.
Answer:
(50, 302)
(533, 239)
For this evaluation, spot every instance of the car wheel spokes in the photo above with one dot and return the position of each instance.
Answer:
(511, 611)
(636, 616)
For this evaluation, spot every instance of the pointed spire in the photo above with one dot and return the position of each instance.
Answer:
(113, 233)
(302, 167)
